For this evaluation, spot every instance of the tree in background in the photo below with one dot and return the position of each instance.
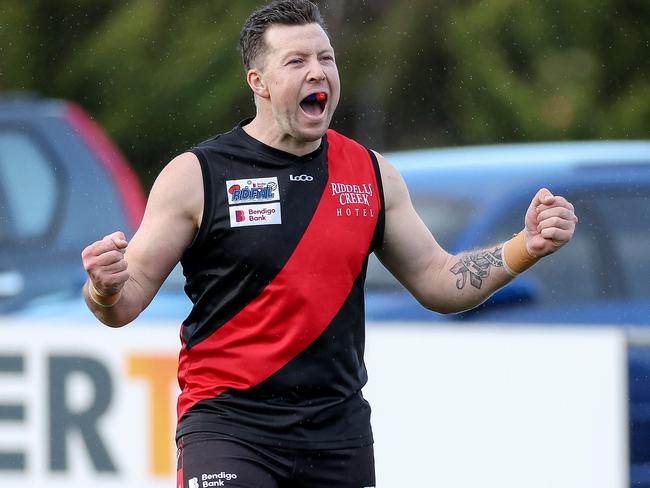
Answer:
(159, 76)
(538, 70)
(162, 75)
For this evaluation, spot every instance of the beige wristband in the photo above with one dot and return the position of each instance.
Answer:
(516, 258)
(105, 301)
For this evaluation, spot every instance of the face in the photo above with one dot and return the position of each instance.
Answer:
(298, 62)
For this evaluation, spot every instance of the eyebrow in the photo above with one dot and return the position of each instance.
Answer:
(305, 54)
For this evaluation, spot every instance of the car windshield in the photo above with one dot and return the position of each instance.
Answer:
(445, 216)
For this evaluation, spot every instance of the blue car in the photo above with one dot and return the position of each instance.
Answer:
(62, 183)
(476, 197)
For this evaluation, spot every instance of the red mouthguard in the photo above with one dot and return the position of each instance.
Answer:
(317, 97)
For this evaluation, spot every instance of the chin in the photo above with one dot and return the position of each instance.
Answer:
(311, 135)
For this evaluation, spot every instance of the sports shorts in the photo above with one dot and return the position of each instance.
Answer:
(207, 460)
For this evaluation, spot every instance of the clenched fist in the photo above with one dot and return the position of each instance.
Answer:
(105, 264)
(550, 223)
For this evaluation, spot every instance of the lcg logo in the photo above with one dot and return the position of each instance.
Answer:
(301, 178)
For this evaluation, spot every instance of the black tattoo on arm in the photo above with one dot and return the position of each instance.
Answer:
(477, 266)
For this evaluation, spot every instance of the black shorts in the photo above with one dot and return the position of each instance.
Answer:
(207, 460)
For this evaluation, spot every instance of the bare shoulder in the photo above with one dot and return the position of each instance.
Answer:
(395, 190)
(180, 184)
(387, 169)
(182, 171)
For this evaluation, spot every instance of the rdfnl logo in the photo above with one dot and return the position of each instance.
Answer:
(214, 479)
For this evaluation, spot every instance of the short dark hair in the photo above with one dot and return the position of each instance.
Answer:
(284, 12)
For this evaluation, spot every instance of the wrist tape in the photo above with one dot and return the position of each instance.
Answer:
(516, 258)
(105, 301)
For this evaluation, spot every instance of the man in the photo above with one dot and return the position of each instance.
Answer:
(273, 223)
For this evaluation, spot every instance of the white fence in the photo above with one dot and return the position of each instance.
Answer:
(83, 405)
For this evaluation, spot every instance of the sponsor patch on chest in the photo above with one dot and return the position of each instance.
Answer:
(258, 214)
(353, 200)
(253, 190)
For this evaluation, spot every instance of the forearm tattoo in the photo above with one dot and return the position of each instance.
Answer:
(477, 266)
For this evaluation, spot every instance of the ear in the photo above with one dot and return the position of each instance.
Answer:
(256, 81)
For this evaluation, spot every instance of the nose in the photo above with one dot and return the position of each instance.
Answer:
(316, 72)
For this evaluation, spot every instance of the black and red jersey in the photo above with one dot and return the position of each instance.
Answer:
(272, 350)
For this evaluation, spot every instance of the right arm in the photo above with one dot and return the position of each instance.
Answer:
(449, 283)
(124, 277)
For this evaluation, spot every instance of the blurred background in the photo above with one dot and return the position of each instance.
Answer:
(161, 75)
(478, 104)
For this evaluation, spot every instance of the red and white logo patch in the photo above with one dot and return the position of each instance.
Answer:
(260, 214)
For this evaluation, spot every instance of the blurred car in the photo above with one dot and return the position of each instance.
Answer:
(475, 197)
(62, 184)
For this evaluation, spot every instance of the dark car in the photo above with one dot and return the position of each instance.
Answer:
(62, 184)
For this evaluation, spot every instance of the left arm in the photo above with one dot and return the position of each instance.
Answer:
(449, 283)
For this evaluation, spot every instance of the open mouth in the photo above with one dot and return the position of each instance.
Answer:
(314, 104)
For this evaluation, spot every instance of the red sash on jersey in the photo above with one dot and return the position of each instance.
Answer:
(305, 296)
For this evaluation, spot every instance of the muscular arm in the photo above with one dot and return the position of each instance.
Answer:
(137, 269)
(449, 283)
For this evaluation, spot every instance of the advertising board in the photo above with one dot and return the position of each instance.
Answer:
(85, 405)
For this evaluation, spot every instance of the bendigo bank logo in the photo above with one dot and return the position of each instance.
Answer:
(258, 214)
(354, 200)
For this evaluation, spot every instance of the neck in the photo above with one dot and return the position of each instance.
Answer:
(269, 135)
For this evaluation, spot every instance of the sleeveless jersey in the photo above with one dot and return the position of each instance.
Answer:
(272, 350)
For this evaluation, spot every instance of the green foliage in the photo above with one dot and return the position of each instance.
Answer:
(527, 70)
(161, 75)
